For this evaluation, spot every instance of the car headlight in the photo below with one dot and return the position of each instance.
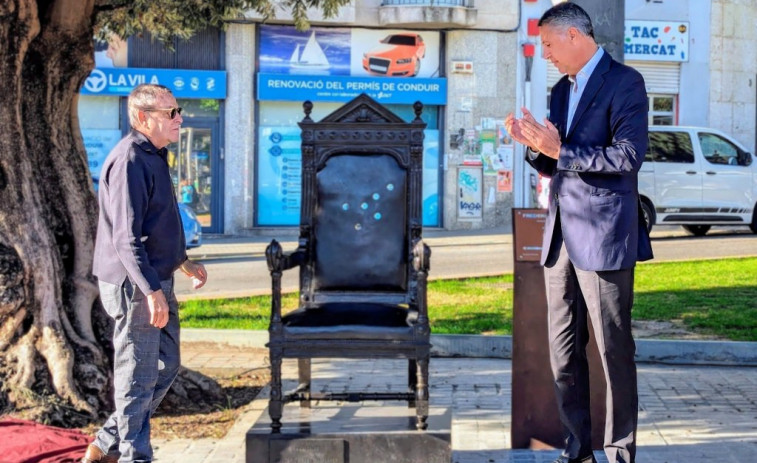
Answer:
(404, 60)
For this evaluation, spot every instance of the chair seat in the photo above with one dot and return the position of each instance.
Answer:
(345, 320)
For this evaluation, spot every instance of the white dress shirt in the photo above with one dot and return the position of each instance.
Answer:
(578, 84)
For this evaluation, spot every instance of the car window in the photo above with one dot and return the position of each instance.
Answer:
(670, 147)
(401, 40)
(718, 150)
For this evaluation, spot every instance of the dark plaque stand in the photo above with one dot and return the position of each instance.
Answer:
(535, 422)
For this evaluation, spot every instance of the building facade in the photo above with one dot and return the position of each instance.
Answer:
(470, 63)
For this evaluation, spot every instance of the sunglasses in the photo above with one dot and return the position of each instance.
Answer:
(172, 112)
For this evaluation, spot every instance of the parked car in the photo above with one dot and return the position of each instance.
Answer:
(400, 55)
(192, 226)
(697, 178)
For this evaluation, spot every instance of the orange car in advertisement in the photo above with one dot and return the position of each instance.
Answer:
(399, 55)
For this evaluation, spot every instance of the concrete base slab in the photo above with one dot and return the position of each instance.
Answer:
(353, 433)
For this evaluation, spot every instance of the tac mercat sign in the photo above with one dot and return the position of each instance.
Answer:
(656, 41)
(392, 66)
(184, 83)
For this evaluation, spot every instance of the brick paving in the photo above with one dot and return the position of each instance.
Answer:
(687, 414)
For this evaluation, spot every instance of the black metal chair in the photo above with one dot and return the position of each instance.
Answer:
(363, 265)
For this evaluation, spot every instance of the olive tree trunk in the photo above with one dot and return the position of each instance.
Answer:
(54, 338)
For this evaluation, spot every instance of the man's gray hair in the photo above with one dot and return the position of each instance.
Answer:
(144, 96)
(567, 14)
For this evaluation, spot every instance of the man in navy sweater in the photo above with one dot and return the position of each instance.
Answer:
(140, 243)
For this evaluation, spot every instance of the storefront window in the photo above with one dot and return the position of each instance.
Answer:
(193, 160)
(279, 160)
(199, 108)
(100, 130)
(662, 109)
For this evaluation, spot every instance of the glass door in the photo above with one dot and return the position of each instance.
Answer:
(195, 171)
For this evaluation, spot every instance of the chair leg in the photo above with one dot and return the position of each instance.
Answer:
(421, 394)
(276, 402)
(412, 381)
(303, 369)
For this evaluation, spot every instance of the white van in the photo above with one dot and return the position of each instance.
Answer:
(697, 177)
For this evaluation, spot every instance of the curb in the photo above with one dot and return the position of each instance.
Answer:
(671, 352)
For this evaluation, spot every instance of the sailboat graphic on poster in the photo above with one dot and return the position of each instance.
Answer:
(311, 59)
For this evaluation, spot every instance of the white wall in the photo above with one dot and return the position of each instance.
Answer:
(488, 92)
(491, 14)
(733, 57)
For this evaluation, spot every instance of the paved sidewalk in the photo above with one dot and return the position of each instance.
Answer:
(688, 414)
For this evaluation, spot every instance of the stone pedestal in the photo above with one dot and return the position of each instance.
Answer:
(353, 433)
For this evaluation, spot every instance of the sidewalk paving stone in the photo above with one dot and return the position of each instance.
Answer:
(687, 414)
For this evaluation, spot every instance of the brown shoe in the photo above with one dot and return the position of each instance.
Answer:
(95, 455)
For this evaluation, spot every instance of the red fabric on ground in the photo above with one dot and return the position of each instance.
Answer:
(24, 441)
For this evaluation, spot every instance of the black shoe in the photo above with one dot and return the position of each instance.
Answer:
(95, 455)
(565, 459)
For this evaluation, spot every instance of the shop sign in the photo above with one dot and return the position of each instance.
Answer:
(656, 41)
(393, 66)
(184, 83)
(285, 87)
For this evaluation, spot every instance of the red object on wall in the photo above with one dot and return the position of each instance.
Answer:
(530, 1)
(529, 50)
(533, 27)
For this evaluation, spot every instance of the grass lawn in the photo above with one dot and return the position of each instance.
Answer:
(716, 297)
(710, 296)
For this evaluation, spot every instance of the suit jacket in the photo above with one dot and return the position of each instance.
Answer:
(594, 201)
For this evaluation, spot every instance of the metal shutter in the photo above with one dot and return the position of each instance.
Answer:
(658, 77)
(201, 51)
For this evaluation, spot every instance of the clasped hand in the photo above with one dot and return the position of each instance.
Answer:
(527, 131)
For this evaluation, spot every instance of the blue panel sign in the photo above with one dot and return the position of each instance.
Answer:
(394, 90)
(184, 83)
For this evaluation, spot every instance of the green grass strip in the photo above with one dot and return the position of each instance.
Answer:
(713, 297)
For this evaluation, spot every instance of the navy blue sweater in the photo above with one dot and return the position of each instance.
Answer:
(139, 232)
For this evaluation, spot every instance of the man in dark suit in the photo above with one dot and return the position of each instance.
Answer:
(592, 147)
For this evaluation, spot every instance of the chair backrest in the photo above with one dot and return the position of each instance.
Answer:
(361, 203)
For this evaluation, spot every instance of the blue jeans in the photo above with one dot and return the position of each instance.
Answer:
(145, 363)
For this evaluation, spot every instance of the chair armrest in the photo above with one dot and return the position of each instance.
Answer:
(278, 261)
(421, 265)
(421, 256)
